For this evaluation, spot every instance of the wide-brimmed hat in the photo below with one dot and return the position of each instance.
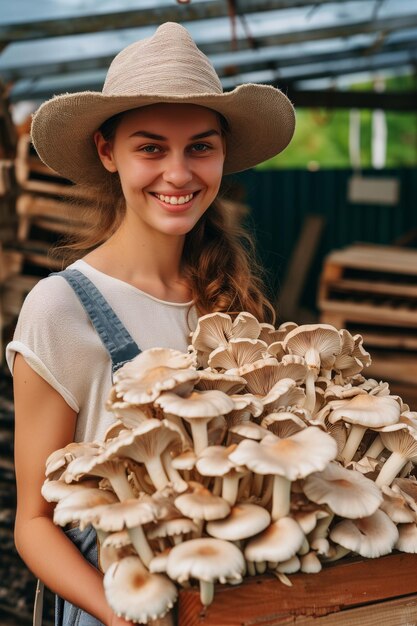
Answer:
(167, 67)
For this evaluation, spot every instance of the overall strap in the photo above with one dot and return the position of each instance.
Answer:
(116, 339)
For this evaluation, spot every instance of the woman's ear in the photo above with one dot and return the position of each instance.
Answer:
(105, 152)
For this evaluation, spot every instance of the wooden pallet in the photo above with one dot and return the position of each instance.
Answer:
(379, 592)
(372, 289)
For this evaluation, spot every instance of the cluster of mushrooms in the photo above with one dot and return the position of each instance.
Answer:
(259, 450)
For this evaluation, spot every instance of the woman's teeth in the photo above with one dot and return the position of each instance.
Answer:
(175, 199)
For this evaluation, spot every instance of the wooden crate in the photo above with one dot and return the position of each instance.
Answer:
(377, 592)
(372, 289)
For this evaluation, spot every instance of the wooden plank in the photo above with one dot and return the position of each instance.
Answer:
(373, 287)
(299, 265)
(54, 189)
(264, 600)
(378, 258)
(358, 312)
(44, 206)
(393, 366)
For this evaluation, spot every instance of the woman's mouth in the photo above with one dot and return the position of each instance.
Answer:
(177, 202)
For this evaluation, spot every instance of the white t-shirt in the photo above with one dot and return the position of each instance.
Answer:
(56, 338)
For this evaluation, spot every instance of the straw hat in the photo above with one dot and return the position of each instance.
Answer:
(167, 67)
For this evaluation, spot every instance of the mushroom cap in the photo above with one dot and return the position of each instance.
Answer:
(215, 461)
(172, 527)
(147, 440)
(119, 539)
(367, 410)
(198, 405)
(309, 450)
(249, 430)
(236, 353)
(279, 542)
(152, 382)
(407, 538)
(206, 559)
(247, 402)
(158, 565)
(151, 358)
(126, 514)
(396, 506)
(135, 594)
(319, 344)
(202, 504)
(228, 383)
(59, 459)
(260, 376)
(283, 394)
(244, 520)
(283, 424)
(56, 490)
(348, 493)
(370, 537)
(402, 441)
(79, 504)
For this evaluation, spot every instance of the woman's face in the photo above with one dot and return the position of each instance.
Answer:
(170, 161)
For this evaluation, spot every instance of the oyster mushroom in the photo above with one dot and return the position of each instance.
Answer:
(104, 467)
(370, 537)
(80, 504)
(197, 409)
(287, 460)
(244, 521)
(277, 543)
(145, 444)
(319, 345)
(228, 383)
(403, 447)
(215, 461)
(238, 352)
(201, 504)
(135, 594)
(347, 493)
(207, 560)
(363, 411)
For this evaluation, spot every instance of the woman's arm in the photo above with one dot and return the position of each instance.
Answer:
(43, 423)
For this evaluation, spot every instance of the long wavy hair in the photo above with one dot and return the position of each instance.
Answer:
(218, 261)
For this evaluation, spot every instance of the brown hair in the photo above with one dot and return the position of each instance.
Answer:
(218, 257)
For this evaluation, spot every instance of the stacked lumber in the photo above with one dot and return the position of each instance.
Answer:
(371, 289)
(46, 207)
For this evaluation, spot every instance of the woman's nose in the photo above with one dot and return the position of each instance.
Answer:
(177, 171)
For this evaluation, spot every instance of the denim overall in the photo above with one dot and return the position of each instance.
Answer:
(121, 348)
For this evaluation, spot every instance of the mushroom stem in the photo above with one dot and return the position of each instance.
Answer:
(217, 486)
(156, 472)
(320, 531)
(199, 434)
(339, 553)
(260, 567)
(251, 569)
(310, 401)
(173, 475)
(244, 484)
(391, 468)
(230, 489)
(206, 592)
(375, 448)
(354, 438)
(121, 486)
(257, 483)
(141, 545)
(280, 497)
(267, 495)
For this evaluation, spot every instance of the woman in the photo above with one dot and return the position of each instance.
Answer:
(155, 144)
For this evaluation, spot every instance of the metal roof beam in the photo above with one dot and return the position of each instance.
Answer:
(132, 18)
(390, 101)
(12, 70)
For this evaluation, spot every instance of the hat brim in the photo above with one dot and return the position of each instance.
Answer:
(261, 120)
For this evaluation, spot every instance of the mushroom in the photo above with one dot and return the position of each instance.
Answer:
(286, 459)
(370, 537)
(104, 467)
(363, 411)
(59, 459)
(396, 506)
(310, 563)
(207, 560)
(407, 538)
(283, 394)
(348, 493)
(270, 334)
(238, 352)
(145, 444)
(277, 543)
(244, 521)
(56, 490)
(283, 424)
(135, 594)
(201, 504)
(79, 504)
(228, 383)
(215, 461)
(148, 386)
(403, 447)
(318, 344)
(175, 528)
(197, 409)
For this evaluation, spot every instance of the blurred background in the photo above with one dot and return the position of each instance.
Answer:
(334, 216)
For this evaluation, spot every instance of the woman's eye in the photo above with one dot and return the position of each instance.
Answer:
(200, 147)
(151, 149)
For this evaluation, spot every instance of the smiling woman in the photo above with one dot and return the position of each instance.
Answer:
(152, 148)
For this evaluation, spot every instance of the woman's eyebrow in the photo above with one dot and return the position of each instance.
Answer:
(147, 135)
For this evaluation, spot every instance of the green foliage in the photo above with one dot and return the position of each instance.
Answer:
(321, 139)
